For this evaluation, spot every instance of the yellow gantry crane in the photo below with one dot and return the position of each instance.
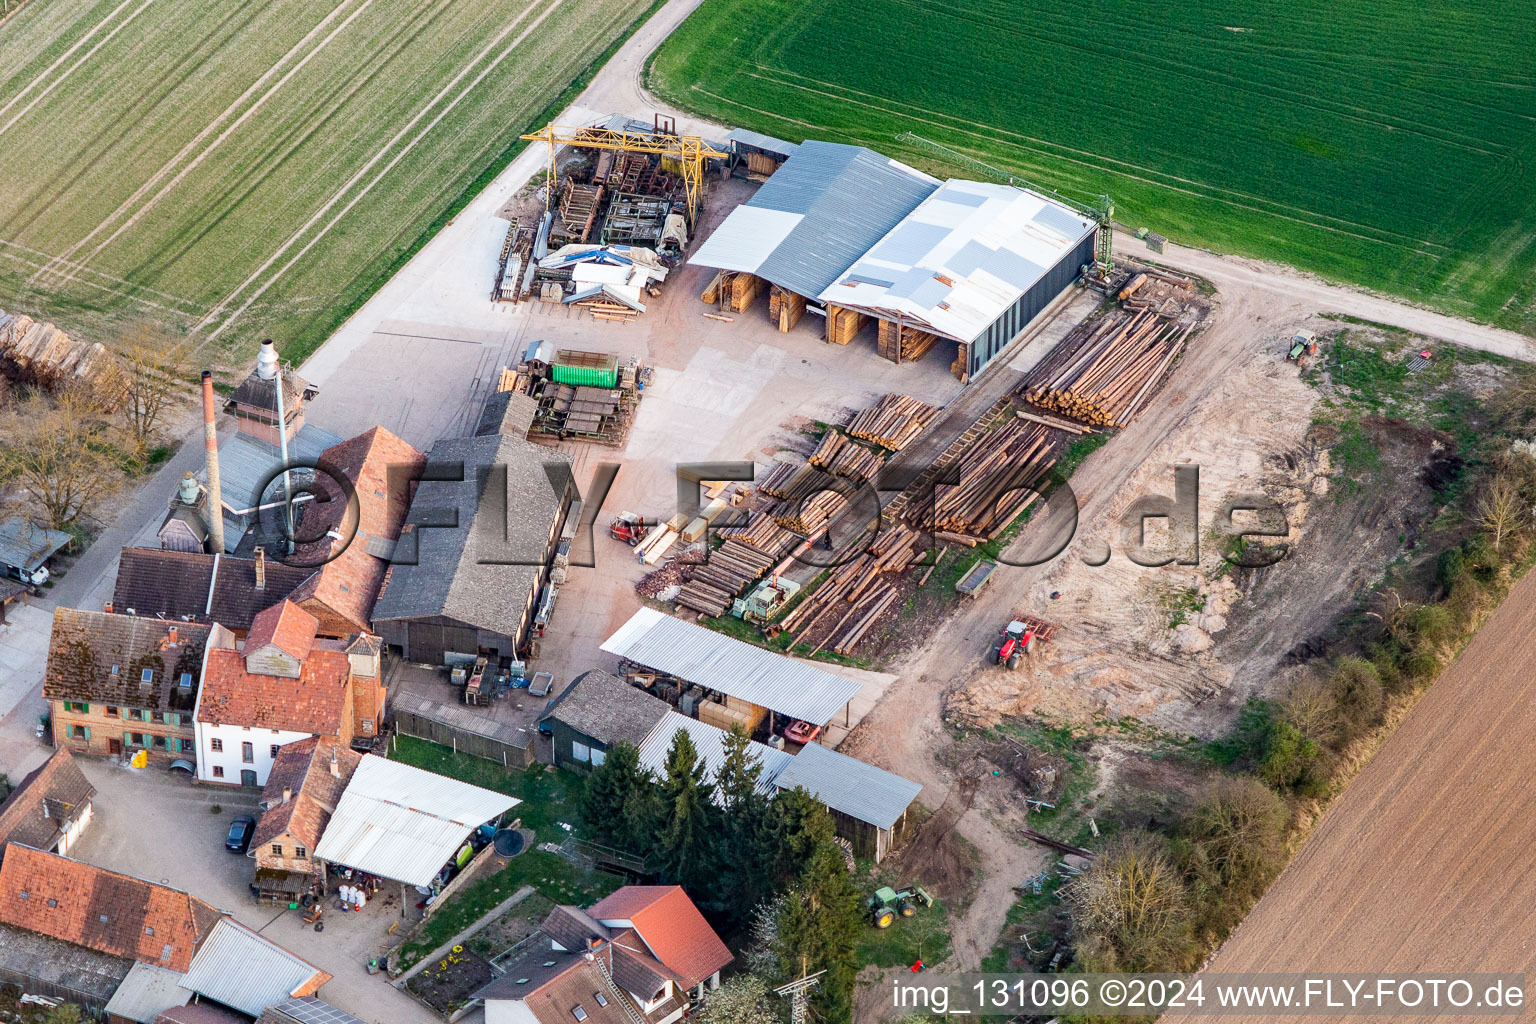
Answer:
(689, 151)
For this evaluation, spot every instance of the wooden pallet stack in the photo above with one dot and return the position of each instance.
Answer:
(843, 324)
(995, 481)
(805, 516)
(841, 456)
(785, 308)
(903, 344)
(893, 422)
(852, 599)
(1105, 377)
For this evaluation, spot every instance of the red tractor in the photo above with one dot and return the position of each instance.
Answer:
(1021, 637)
(627, 527)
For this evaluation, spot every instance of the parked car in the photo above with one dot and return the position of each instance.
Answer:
(240, 832)
(801, 732)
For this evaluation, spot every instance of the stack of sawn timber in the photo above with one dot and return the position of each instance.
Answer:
(997, 481)
(855, 595)
(44, 355)
(901, 344)
(893, 422)
(1105, 378)
(840, 456)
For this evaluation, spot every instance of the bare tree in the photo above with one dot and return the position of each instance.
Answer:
(60, 455)
(1499, 509)
(1313, 708)
(1238, 828)
(1131, 908)
(155, 366)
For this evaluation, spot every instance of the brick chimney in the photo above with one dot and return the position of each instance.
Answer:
(175, 635)
(260, 557)
(335, 764)
(214, 512)
(287, 793)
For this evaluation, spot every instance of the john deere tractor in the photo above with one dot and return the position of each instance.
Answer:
(886, 903)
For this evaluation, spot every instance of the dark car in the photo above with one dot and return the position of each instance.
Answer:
(240, 832)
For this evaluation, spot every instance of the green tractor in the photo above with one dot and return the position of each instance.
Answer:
(886, 903)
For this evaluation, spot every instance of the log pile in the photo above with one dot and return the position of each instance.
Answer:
(731, 568)
(843, 324)
(840, 456)
(674, 573)
(893, 422)
(840, 612)
(902, 344)
(40, 353)
(785, 308)
(808, 515)
(791, 482)
(995, 481)
(1105, 377)
(762, 533)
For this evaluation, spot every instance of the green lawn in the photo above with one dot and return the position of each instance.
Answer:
(240, 168)
(1382, 145)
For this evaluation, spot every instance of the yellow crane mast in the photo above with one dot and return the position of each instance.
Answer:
(689, 151)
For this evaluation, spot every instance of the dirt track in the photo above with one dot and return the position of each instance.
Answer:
(1425, 863)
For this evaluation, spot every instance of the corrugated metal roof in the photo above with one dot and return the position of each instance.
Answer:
(146, 992)
(847, 197)
(766, 143)
(849, 785)
(404, 823)
(959, 261)
(26, 545)
(709, 741)
(239, 968)
(729, 666)
(246, 463)
(746, 238)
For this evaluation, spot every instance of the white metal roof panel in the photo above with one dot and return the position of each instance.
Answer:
(729, 666)
(961, 258)
(709, 741)
(746, 238)
(404, 823)
(849, 785)
(239, 968)
(146, 992)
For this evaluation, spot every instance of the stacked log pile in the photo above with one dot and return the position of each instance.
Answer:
(791, 482)
(840, 456)
(808, 515)
(996, 481)
(731, 568)
(42, 354)
(1105, 377)
(763, 533)
(901, 344)
(854, 596)
(893, 422)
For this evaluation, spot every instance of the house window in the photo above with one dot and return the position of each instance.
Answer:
(602, 1000)
(77, 706)
(578, 1012)
(114, 670)
(147, 676)
(216, 745)
(186, 681)
(157, 716)
(300, 852)
(580, 751)
(160, 742)
(368, 727)
(149, 930)
(274, 751)
(78, 732)
(277, 849)
(111, 711)
(247, 753)
(136, 738)
(218, 771)
(597, 756)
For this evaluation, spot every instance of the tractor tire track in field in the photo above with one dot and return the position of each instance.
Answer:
(379, 155)
(50, 69)
(59, 80)
(38, 258)
(127, 290)
(275, 154)
(47, 195)
(1082, 161)
(203, 135)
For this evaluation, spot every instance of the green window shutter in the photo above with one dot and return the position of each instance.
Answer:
(87, 730)
(85, 708)
(171, 718)
(127, 739)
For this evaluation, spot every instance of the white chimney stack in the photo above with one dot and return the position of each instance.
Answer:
(266, 360)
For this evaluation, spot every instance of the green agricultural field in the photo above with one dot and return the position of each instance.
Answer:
(239, 168)
(1385, 144)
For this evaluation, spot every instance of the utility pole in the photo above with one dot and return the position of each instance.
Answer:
(795, 992)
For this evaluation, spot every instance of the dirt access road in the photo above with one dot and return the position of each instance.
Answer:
(1423, 864)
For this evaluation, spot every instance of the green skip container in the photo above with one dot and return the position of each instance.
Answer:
(592, 369)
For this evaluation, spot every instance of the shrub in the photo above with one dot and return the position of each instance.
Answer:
(1293, 761)
(1357, 693)
(1130, 909)
(1313, 708)
(1450, 569)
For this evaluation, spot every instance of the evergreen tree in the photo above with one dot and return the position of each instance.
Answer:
(745, 850)
(610, 787)
(797, 824)
(685, 845)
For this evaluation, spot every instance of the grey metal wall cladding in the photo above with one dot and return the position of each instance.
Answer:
(1018, 316)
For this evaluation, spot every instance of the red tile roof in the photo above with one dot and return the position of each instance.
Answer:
(314, 703)
(102, 910)
(670, 926)
(288, 626)
(348, 583)
(45, 802)
(304, 768)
